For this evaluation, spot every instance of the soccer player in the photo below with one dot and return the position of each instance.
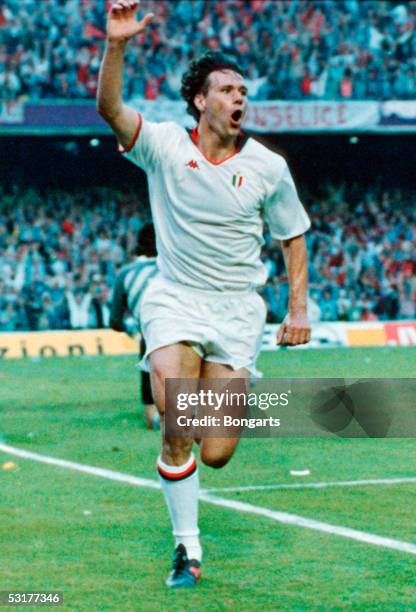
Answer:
(128, 288)
(210, 190)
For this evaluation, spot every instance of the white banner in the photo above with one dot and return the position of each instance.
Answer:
(278, 116)
(311, 116)
(398, 115)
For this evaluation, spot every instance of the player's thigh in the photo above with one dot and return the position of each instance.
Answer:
(174, 361)
(216, 452)
(212, 370)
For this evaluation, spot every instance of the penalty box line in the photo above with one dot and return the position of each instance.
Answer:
(280, 517)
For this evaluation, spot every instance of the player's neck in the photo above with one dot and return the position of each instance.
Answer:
(213, 146)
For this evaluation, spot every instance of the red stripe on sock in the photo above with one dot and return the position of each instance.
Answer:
(177, 475)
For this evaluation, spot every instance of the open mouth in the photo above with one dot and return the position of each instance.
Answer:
(236, 117)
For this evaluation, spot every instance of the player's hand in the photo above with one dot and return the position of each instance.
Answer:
(295, 329)
(122, 23)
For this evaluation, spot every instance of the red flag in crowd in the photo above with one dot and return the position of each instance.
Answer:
(3, 20)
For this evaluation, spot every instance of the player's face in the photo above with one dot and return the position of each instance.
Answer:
(225, 104)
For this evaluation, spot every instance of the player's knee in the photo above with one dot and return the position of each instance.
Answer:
(176, 451)
(214, 458)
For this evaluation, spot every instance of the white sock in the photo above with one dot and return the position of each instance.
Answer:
(180, 485)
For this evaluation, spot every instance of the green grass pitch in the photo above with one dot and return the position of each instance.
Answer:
(107, 544)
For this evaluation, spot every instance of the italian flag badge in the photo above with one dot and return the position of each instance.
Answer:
(237, 179)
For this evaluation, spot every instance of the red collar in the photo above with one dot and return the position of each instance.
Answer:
(194, 137)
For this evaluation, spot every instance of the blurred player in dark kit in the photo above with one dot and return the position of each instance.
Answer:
(130, 283)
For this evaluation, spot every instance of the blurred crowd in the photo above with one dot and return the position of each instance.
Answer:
(362, 259)
(288, 49)
(60, 253)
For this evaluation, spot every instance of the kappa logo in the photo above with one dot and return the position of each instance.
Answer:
(193, 164)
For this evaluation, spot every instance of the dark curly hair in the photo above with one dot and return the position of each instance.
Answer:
(195, 79)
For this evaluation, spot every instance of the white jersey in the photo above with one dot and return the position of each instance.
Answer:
(209, 216)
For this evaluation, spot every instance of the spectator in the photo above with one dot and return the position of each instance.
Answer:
(79, 309)
(328, 305)
(346, 86)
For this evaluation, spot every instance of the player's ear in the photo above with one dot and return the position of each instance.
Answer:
(199, 101)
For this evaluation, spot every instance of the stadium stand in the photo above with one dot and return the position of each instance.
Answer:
(60, 252)
(320, 50)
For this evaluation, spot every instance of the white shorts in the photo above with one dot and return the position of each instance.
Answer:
(221, 327)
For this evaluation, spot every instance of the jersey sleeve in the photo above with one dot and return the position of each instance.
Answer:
(283, 210)
(147, 145)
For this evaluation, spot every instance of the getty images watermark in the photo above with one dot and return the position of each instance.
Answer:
(297, 407)
(224, 408)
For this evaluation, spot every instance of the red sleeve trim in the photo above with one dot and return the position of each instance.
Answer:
(135, 137)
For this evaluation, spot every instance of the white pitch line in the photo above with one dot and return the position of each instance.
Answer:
(80, 467)
(315, 485)
(300, 521)
(280, 517)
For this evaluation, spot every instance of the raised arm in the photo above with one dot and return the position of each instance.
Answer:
(122, 25)
(295, 328)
